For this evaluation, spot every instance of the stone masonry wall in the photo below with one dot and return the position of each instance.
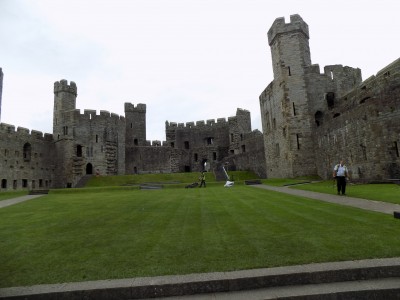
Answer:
(26, 159)
(363, 128)
(252, 155)
(284, 104)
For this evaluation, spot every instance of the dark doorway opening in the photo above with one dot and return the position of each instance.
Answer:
(89, 169)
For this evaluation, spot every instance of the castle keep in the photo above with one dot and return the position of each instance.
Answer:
(310, 120)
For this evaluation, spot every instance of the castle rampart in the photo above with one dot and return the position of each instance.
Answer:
(26, 158)
(24, 132)
(210, 123)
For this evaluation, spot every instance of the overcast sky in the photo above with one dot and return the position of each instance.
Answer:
(187, 60)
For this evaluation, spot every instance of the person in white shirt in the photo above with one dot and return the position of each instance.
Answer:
(340, 173)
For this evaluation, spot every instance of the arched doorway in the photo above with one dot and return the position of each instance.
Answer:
(89, 169)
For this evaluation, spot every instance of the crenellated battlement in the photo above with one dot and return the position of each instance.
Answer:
(390, 69)
(337, 73)
(91, 114)
(279, 27)
(23, 132)
(372, 85)
(140, 107)
(156, 143)
(340, 72)
(196, 125)
(63, 86)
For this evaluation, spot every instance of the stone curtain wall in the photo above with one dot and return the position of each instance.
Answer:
(148, 159)
(363, 128)
(26, 159)
(253, 157)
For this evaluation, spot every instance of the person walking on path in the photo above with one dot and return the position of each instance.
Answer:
(340, 173)
(202, 179)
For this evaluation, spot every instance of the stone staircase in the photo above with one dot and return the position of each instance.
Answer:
(219, 173)
(38, 192)
(364, 279)
(82, 182)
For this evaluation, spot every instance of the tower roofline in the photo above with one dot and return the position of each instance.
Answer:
(280, 27)
(63, 86)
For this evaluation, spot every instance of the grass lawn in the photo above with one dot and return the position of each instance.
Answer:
(387, 192)
(64, 237)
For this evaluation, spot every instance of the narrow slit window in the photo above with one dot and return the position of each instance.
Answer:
(294, 109)
(298, 141)
(396, 148)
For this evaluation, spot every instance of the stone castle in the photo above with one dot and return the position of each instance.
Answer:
(109, 144)
(310, 120)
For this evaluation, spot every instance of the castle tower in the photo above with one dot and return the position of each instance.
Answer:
(135, 125)
(64, 101)
(284, 104)
(63, 131)
(290, 49)
(1, 89)
(239, 126)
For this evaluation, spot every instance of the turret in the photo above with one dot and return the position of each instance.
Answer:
(64, 100)
(285, 104)
(290, 49)
(135, 125)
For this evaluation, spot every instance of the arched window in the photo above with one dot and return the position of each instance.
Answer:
(27, 152)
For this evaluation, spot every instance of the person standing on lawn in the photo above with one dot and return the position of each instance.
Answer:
(340, 173)
(202, 179)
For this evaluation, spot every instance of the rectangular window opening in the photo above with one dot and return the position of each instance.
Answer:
(298, 141)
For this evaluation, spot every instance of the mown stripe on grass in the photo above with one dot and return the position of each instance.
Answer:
(117, 234)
